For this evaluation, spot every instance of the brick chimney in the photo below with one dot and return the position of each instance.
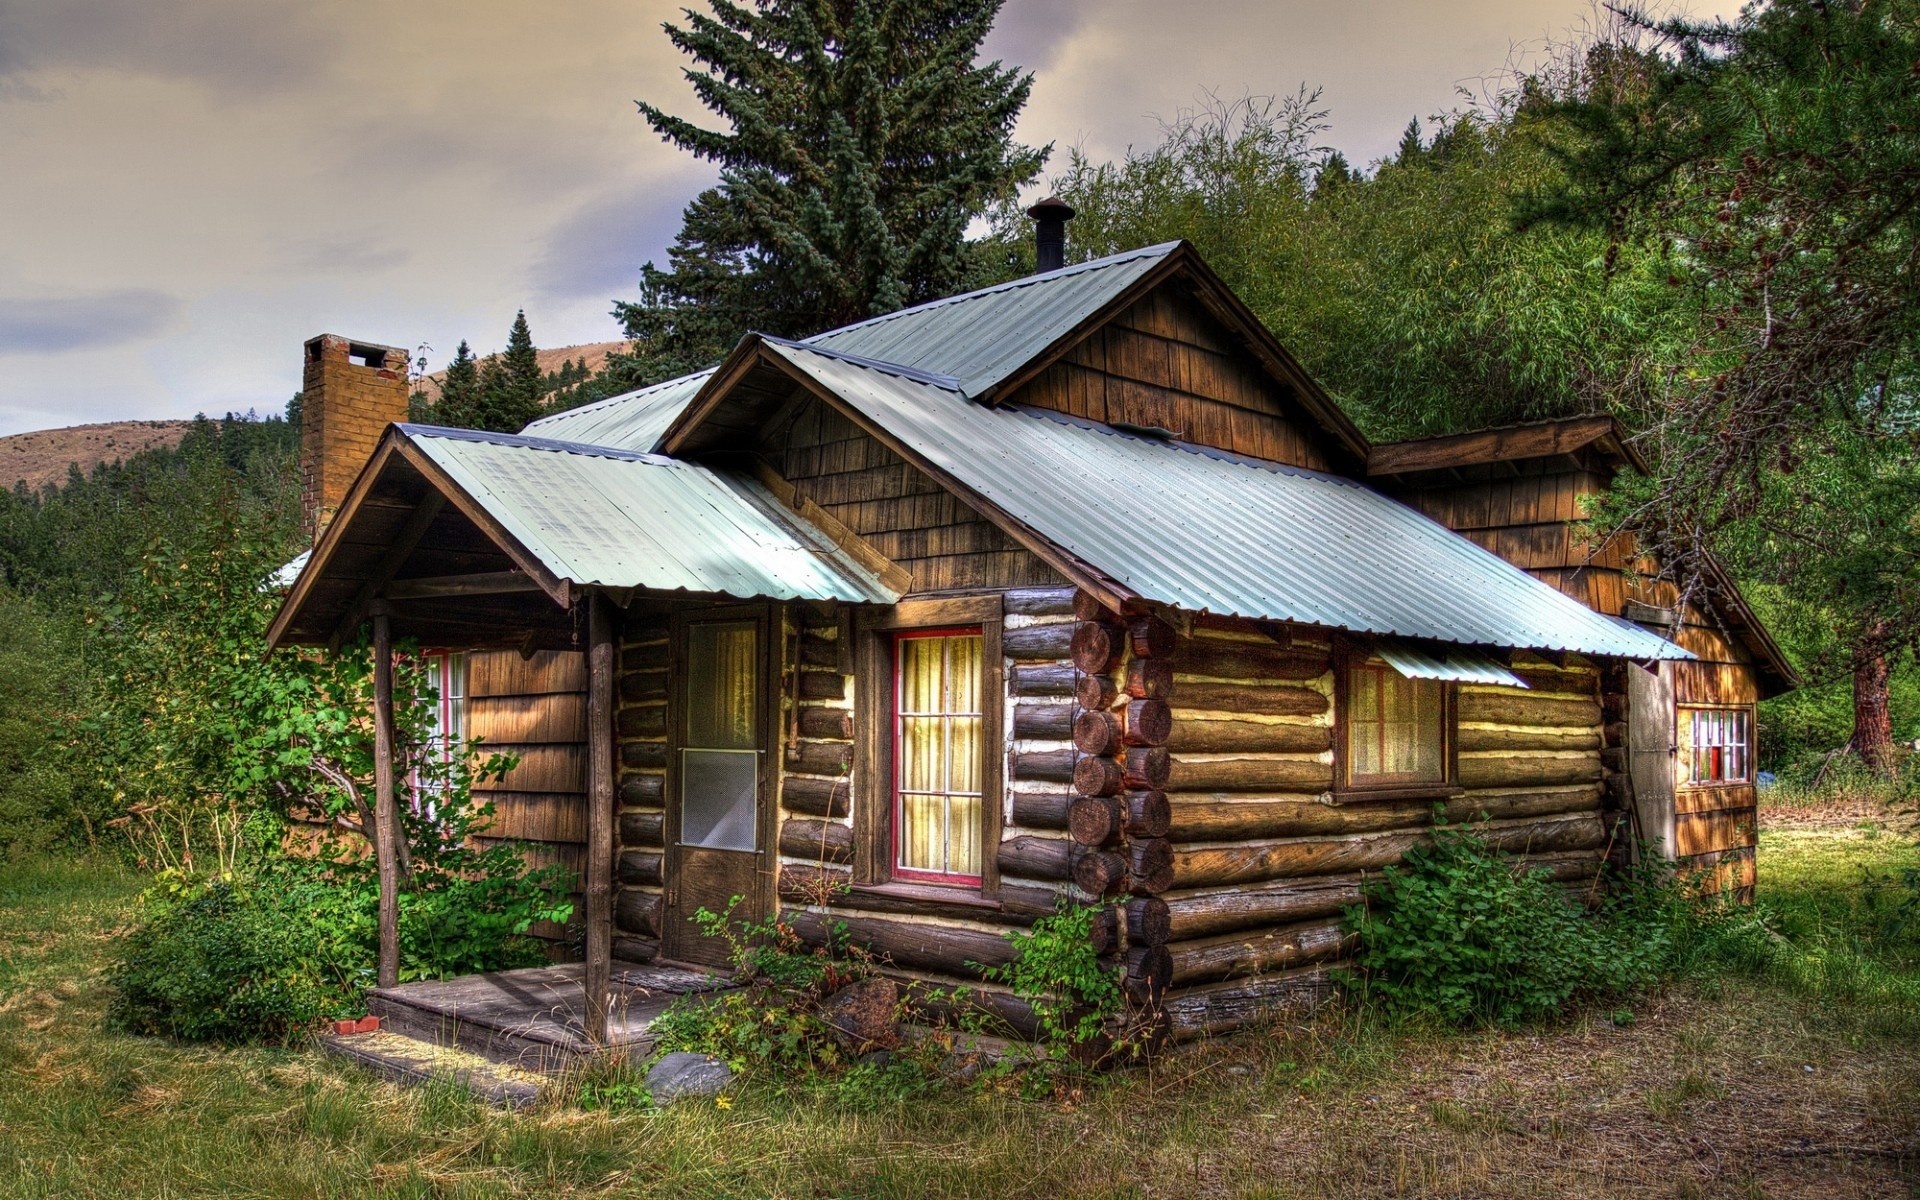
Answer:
(349, 393)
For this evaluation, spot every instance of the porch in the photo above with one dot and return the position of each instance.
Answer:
(500, 1033)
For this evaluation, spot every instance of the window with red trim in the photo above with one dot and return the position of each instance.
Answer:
(447, 669)
(939, 754)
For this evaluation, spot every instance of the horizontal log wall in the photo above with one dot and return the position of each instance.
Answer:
(816, 748)
(1266, 855)
(640, 728)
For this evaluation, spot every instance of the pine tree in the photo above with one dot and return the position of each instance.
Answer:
(863, 140)
(515, 396)
(459, 403)
(1410, 151)
(491, 386)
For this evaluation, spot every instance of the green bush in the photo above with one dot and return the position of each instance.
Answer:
(40, 807)
(1457, 932)
(234, 962)
(260, 955)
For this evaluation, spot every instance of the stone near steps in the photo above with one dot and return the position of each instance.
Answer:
(684, 1075)
(863, 1015)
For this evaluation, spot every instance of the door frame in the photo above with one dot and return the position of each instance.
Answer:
(676, 931)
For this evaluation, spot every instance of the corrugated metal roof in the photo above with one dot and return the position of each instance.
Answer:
(618, 519)
(1455, 664)
(978, 339)
(1212, 532)
(633, 421)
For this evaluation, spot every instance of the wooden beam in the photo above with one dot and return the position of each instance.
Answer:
(487, 583)
(889, 573)
(600, 802)
(403, 545)
(386, 813)
(557, 589)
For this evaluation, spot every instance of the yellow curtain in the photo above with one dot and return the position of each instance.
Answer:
(940, 750)
(721, 696)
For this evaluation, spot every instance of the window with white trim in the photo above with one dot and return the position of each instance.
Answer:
(1719, 745)
(447, 670)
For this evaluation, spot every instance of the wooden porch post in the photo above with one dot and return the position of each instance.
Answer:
(386, 816)
(600, 665)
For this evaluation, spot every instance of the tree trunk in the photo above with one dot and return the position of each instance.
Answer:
(386, 815)
(1872, 722)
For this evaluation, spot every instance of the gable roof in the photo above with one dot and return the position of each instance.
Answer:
(1136, 518)
(984, 344)
(570, 515)
(1600, 441)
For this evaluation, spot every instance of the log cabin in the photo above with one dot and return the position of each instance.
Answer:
(1077, 589)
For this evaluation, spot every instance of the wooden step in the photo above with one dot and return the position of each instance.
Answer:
(531, 1019)
(411, 1062)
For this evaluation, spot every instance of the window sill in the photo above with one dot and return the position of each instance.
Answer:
(959, 893)
(1709, 785)
(1410, 791)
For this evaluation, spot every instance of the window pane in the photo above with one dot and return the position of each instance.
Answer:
(1395, 727)
(456, 699)
(721, 696)
(939, 752)
(717, 793)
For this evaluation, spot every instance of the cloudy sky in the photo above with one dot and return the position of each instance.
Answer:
(191, 188)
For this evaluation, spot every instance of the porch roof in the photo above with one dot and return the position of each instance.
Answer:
(619, 519)
(558, 516)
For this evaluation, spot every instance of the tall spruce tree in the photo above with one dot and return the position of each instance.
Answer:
(515, 396)
(459, 403)
(863, 138)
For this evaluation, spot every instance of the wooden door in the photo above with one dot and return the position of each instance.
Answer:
(1650, 754)
(719, 790)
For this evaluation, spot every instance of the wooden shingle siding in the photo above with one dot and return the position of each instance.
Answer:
(534, 708)
(900, 512)
(1166, 363)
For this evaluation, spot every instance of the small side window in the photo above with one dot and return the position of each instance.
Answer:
(1719, 745)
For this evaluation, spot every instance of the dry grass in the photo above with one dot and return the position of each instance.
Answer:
(1744, 1087)
(43, 456)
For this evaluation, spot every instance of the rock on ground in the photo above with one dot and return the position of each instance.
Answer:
(683, 1074)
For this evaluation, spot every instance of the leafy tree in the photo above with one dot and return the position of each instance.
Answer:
(1775, 159)
(861, 139)
(40, 688)
(1407, 293)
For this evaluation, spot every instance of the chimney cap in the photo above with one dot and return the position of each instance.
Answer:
(1053, 208)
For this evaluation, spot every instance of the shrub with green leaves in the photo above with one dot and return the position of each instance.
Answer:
(235, 962)
(1058, 972)
(1464, 934)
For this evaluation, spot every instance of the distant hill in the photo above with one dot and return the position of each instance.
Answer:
(43, 456)
(550, 361)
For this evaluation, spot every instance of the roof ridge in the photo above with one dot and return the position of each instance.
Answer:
(910, 374)
(1092, 264)
(634, 394)
(522, 441)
